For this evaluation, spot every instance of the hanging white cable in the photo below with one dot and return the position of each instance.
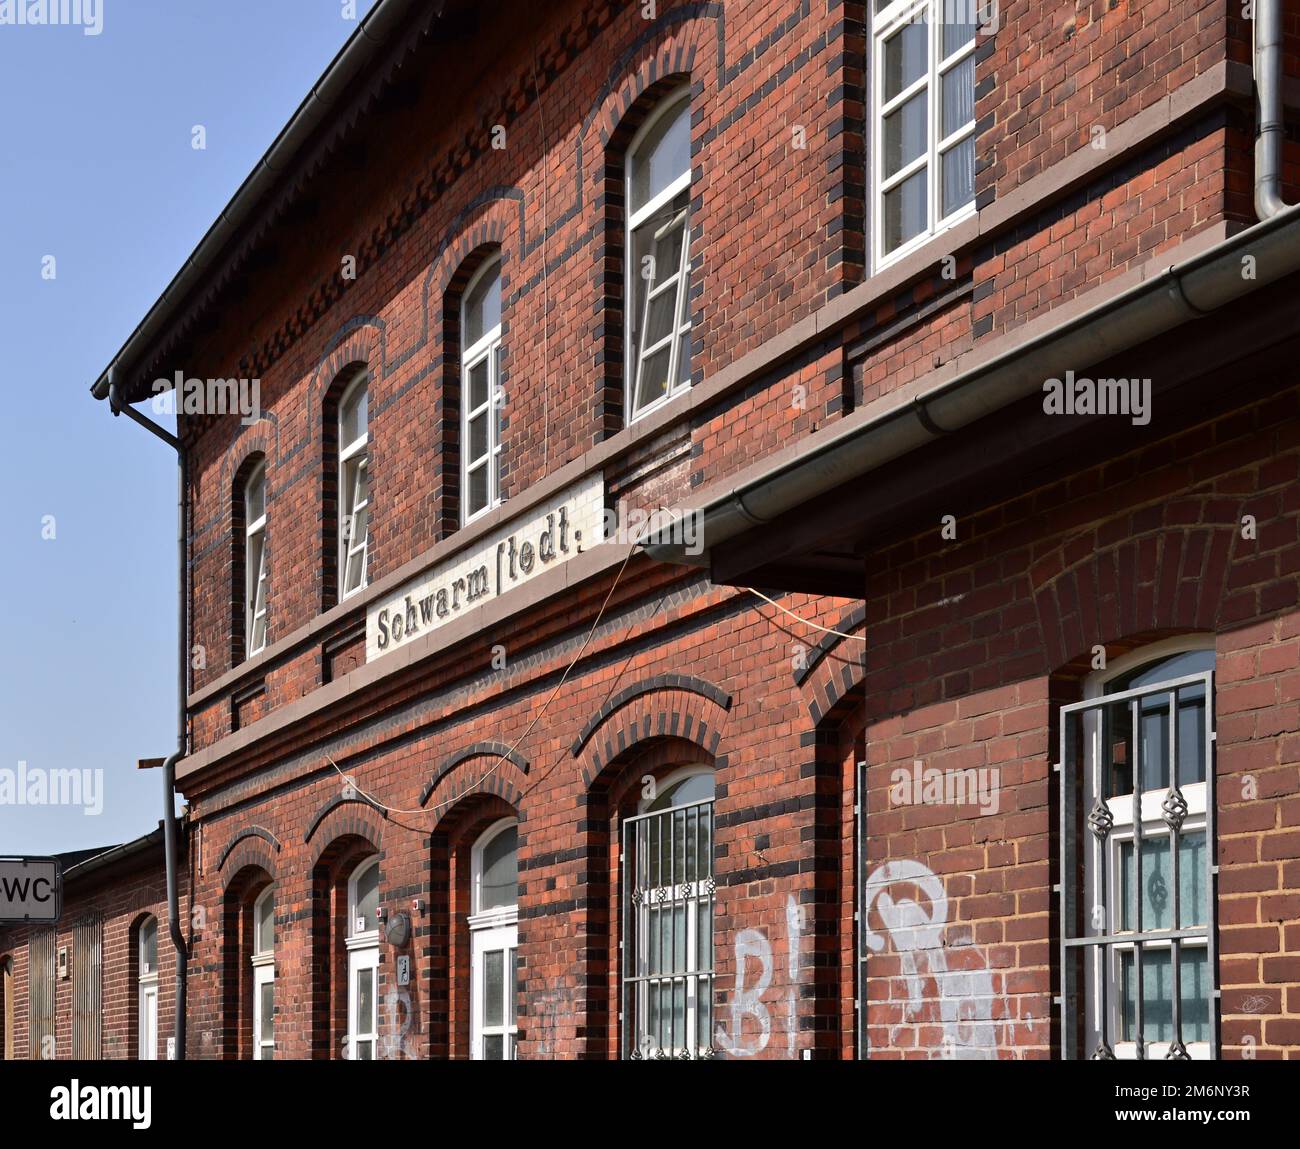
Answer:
(805, 621)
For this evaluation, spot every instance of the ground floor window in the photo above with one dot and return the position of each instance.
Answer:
(494, 942)
(1137, 845)
(668, 890)
(363, 962)
(263, 960)
(147, 957)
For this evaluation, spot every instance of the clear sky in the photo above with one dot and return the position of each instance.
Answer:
(98, 171)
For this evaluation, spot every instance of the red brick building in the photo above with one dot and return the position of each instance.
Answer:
(954, 334)
(99, 984)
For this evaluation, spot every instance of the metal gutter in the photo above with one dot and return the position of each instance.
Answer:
(114, 854)
(1188, 290)
(374, 32)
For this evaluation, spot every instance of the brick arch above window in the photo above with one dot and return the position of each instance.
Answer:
(679, 682)
(508, 758)
(661, 713)
(1168, 578)
(343, 817)
(479, 772)
(255, 845)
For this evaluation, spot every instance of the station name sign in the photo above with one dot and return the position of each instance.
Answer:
(31, 889)
(506, 559)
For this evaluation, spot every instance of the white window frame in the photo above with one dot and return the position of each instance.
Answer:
(487, 347)
(698, 980)
(354, 457)
(255, 574)
(883, 24)
(263, 962)
(1153, 828)
(492, 930)
(680, 281)
(148, 995)
(363, 954)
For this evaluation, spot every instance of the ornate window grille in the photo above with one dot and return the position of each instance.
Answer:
(668, 933)
(1137, 943)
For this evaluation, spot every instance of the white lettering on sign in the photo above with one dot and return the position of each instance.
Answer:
(31, 889)
(507, 558)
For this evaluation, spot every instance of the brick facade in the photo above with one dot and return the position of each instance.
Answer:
(554, 703)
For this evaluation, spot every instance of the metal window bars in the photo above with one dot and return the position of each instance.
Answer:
(668, 895)
(1162, 736)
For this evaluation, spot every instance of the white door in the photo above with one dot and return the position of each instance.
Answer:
(149, 1023)
(492, 986)
(363, 974)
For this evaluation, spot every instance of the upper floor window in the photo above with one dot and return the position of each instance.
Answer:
(923, 69)
(658, 255)
(255, 559)
(263, 961)
(480, 373)
(668, 889)
(354, 484)
(1137, 795)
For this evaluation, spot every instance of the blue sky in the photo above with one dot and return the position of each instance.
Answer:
(97, 170)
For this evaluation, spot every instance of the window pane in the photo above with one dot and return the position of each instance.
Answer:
(494, 987)
(365, 1001)
(662, 156)
(1157, 879)
(1158, 995)
(355, 417)
(653, 383)
(905, 210)
(367, 899)
(482, 308)
(149, 946)
(478, 385)
(958, 29)
(478, 437)
(499, 884)
(268, 1013)
(365, 1051)
(494, 1048)
(256, 503)
(905, 133)
(513, 985)
(478, 490)
(662, 319)
(905, 55)
(958, 85)
(958, 167)
(266, 925)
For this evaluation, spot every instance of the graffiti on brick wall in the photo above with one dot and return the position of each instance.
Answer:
(948, 986)
(398, 1041)
(747, 1031)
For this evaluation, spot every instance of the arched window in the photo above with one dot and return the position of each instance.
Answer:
(481, 394)
(255, 559)
(147, 965)
(363, 960)
(658, 255)
(1138, 812)
(494, 942)
(668, 914)
(263, 960)
(354, 483)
